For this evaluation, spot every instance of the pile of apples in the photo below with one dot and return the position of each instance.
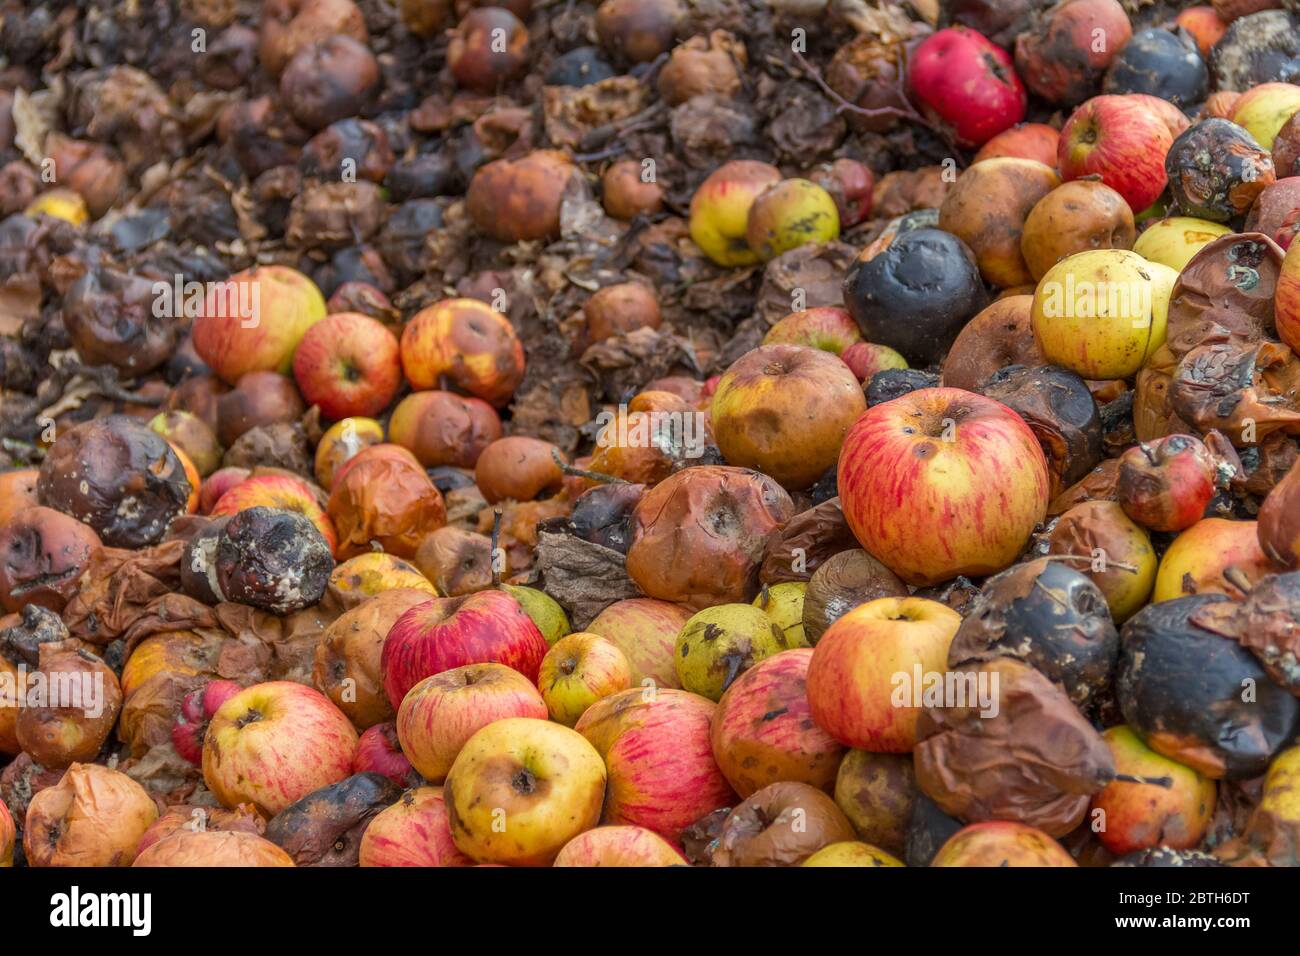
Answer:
(1042, 438)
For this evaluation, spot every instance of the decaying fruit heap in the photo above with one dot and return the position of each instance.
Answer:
(649, 433)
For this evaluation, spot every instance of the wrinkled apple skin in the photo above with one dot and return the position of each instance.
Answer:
(282, 302)
(197, 709)
(273, 743)
(1001, 843)
(930, 508)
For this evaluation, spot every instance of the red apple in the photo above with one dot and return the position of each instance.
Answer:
(486, 627)
(619, 846)
(379, 751)
(942, 482)
(763, 731)
(273, 743)
(348, 364)
(866, 359)
(441, 712)
(1286, 299)
(197, 710)
(1167, 484)
(217, 484)
(414, 831)
(968, 83)
(645, 630)
(254, 320)
(655, 743)
(862, 681)
(1122, 140)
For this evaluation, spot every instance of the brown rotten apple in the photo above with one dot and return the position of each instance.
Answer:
(76, 712)
(346, 667)
(441, 428)
(942, 482)
(699, 536)
(513, 200)
(92, 817)
(781, 825)
(784, 410)
(225, 848)
(43, 554)
(383, 495)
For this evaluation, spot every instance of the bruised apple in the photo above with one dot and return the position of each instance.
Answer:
(273, 743)
(522, 788)
(942, 482)
(762, 731)
(467, 342)
(1131, 816)
(442, 428)
(784, 410)
(719, 215)
(1213, 556)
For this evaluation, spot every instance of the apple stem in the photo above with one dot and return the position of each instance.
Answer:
(574, 472)
(1166, 782)
(496, 543)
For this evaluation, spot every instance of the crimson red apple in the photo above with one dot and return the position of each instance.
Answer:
(442, 712)
(1122, 140)
(968, 83)
(942, 482)
(197, 710)
(486, 627)
(348, 364)
(379, 751)
(1167, 484)
(655, 743)
(273, 743)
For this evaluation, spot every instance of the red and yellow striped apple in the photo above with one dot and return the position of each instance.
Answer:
(655, 743)
(619, 846)
(763, 732)
(273, 743)
(864, 671)
(486, 627)
(942, 482)
(414, 831)
(579, 670)
(442, 712)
